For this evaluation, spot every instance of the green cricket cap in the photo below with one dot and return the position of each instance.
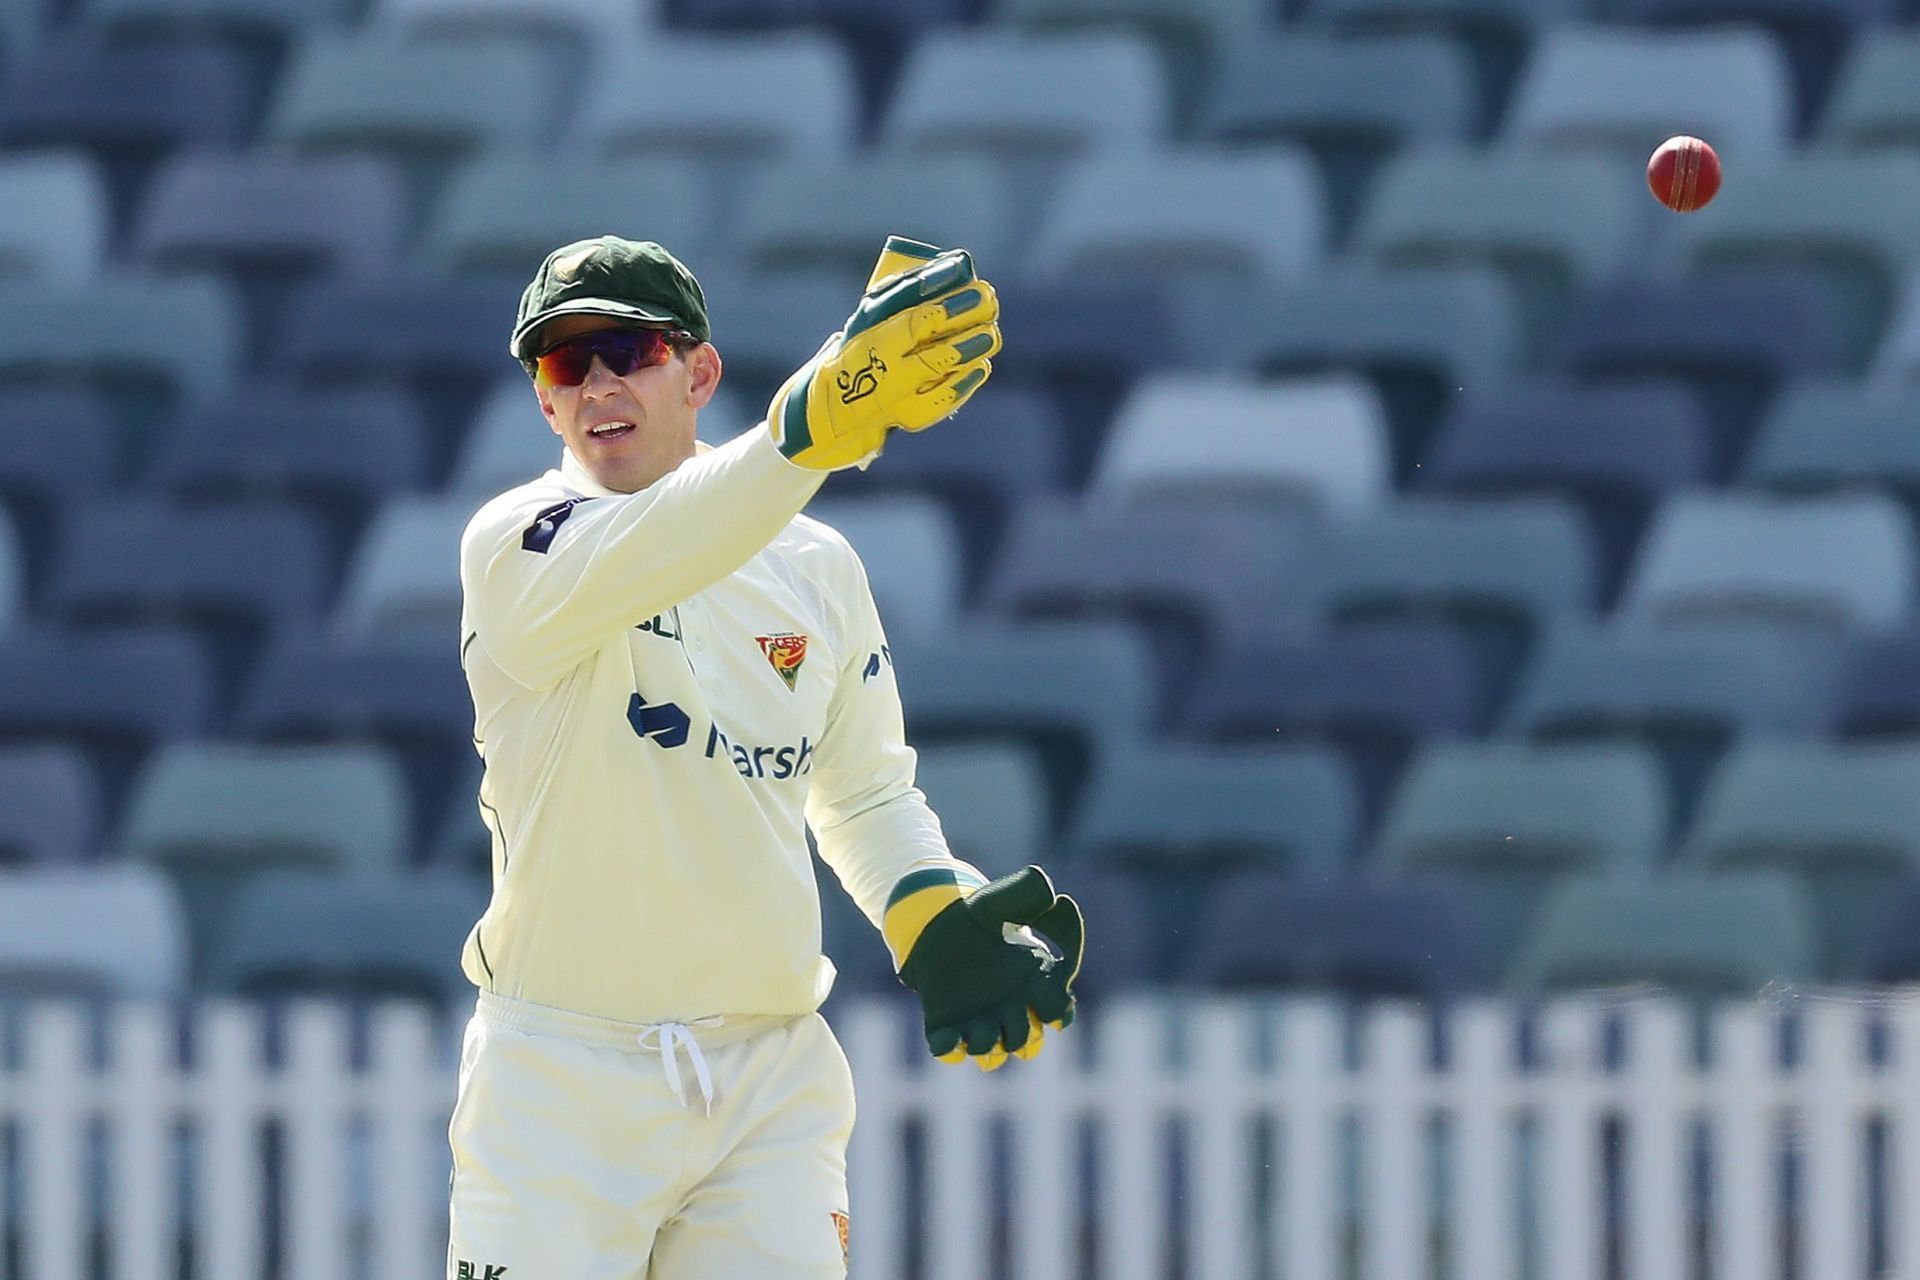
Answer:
(633, 280)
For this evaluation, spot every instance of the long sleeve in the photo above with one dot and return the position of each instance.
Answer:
(546, 581)
(872, 824)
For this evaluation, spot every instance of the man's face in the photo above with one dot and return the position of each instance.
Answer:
(660, 406)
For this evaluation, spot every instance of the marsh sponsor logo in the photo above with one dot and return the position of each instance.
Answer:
(791, 761)
(666, 726)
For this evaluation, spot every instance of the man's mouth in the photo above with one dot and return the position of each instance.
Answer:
(610, 430)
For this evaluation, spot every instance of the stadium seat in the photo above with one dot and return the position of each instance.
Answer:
(1831, 435)
(292, 933)
(439, 339)
(270, 223)
(1123, 955)
(1733, 335)
(98, 932)
(62, 445)
(115, 694)
(912, 556)
(1079, 345)
(1685, 692)
(831, 216)
(877, 33)
(404, 579)
(1878, 690)
(851, 941)
(1184, 572)
(1844, 818)
(1499, 571)
(1876, 97)
(1006, 448)
(424, 103)
(1317, 444)
(128, 106)
(1546, 222)
(334, 451)
(460, 841)
(1898, 361)
(1239, 217)
(1263, 931)
(1009, 92)
(240, 574)
(570, 29)
(764, 329)
(208, 211)
(1374, 693)
(1180, 808)
(1350, 99)
(1192, 38)
(1064, 687)
(1815, 35)
(120, 337)
(282, 20)
(51, 805)
(508, 443)
(13, 578)
(1892, 952)
(503, 213)
(1615, 448)
(1417, 335)
(1834, 563)
(213, 814)
(406, 695)
(1782, 213)
(1623, 91)
(393, 690)
(1704, 938)
(788, 94)
(1504, 821)
(54, 219)
(1498, 33)
(991, 798)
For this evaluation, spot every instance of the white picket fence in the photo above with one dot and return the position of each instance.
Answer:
(1206, 1139)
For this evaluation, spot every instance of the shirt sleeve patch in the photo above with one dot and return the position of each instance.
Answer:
(539, 535)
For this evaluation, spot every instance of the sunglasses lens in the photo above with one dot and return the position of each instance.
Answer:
(621, 350)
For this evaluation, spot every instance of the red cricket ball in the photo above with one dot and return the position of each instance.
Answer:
(1684, 174)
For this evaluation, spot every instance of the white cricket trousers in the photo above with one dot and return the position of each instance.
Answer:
(583, 1148)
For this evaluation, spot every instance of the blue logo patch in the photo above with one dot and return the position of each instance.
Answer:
(539, 535)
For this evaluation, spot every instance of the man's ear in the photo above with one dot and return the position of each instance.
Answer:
(546, 406)
(704, 364)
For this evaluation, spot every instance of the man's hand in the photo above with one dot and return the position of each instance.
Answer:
(912, 352)
(987, 986)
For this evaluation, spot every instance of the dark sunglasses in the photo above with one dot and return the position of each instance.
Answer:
(566, 364)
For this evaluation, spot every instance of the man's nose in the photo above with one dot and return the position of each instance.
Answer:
(599, 379)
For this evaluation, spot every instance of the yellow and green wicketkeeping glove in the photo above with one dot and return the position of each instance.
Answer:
(911, 353)
(987, 986)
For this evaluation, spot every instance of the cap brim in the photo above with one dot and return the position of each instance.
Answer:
(522, 347)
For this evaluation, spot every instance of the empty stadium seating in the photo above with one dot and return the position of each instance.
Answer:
(1507, 822)
(1727, 937)
(1394, 555)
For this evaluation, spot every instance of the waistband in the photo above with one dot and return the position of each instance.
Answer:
(613, 1033)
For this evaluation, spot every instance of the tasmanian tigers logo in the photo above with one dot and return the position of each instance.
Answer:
(786, 651)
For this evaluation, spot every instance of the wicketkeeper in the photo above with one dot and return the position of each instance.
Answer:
(674, 676)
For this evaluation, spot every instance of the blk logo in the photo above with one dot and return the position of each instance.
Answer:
(474, 1271)
(664, 722)
(858, 384)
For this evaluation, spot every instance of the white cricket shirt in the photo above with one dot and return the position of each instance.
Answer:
(668, 686)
